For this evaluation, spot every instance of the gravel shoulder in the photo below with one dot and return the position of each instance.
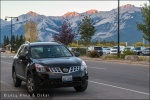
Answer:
(147, 63)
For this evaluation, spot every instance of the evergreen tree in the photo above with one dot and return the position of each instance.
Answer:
(17, 42)
(5, 41)
(13, 42)
(145, 26)
(21, 40)
(87, 30)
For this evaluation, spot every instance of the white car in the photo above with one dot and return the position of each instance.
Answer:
(106, 50)
(114, 50)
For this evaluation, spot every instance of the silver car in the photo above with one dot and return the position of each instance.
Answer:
(146, 51)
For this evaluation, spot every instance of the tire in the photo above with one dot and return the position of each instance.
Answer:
(31, 86)
(81, 88)
(16, 80)
(141, 54)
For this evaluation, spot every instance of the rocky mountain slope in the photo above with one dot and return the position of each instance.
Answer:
(106, 24)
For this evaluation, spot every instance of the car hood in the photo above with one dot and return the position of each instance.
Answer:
(113, 49)
(58, 62)
(146, 50)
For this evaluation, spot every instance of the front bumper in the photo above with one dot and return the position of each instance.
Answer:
(54, 80)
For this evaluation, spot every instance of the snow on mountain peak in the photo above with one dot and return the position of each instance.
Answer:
(71, 14)
(92, 11)
(127, 6)
(32, 13)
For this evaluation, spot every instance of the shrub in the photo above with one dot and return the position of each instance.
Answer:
(82, 51)
(127, 52)
(94, 54)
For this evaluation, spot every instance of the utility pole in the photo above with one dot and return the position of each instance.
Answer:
(118, 29)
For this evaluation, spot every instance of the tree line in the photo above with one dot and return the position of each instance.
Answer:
(16, 41)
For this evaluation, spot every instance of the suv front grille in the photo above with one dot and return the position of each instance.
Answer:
(61, 70)
(55, 70)
(74, 69)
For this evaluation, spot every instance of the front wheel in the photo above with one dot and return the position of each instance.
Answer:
(81, 88)
(31, 86)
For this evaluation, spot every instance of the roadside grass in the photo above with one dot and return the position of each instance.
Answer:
(144, 58)
(110, 57)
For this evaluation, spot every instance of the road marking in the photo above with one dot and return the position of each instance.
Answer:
(7, 56)
(3, 56)
(119, 87)
(96, 67)
(6, 62)
(7, 84)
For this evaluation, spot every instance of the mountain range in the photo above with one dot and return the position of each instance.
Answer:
(106, 24)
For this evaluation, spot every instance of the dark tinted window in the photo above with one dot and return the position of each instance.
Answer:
(115, 48)
(147, 49)
(137, 48)
(20, 51)
(97, 48)
(49, 51)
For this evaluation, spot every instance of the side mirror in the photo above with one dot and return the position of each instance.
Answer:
(77, 54)
(22, 57)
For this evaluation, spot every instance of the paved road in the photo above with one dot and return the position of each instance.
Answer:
(106, 81)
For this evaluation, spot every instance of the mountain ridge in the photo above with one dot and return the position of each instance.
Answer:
(105, 23)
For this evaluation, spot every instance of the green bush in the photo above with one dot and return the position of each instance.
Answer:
(127, 52)
(94, 54)
(82, 51)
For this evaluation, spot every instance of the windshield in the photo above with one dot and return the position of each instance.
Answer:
(115, 48)
(49, 51)
(137, 48)
(147, 49)
(106, 48)
(97, 48)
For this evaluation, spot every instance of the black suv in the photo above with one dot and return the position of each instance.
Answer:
(45, 65)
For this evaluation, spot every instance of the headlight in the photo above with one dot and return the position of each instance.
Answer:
(83, 66)
(40, 68)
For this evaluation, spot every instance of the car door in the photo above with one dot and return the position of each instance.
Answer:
(23, 63)
(18, 61)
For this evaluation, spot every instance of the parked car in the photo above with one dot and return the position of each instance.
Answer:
(46, 65)
(72, 49)
(130, 48)
(138, 50)
(2, 50)
(97, 48)
(146, 51)
(114, 50)
(106, 50)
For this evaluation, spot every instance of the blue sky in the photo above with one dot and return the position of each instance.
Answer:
(58, 8)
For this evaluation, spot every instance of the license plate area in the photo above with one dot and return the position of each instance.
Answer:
(67, 78)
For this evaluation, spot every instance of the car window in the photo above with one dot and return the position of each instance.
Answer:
(115, 48)
(137, 48)
(25, 50)
(147, 49)
(49, 51)
(20, 51)
(97, 48)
